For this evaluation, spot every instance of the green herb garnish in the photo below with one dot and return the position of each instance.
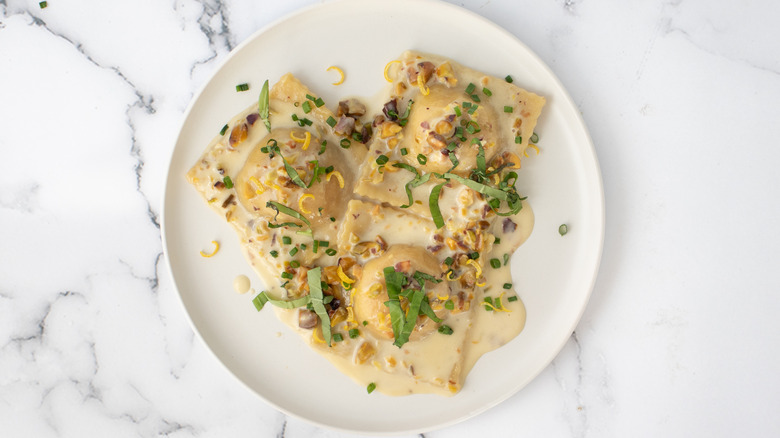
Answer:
(280, 208)
(314, 278)
(563, 229)
(242, 87)
(495, 263)
(509, 79)
(228, 182)
(223, 130)
(512, 298)
(263, 106)
(371, 387)
(445, 329)
(433, 204)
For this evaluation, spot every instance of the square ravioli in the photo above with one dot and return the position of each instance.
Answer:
(383, 238)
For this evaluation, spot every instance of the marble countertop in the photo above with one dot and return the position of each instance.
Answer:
(681, 335)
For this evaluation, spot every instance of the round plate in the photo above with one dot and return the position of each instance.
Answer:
(553, 275)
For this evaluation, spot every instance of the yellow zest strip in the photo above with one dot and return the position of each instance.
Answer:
(341, 72)
(317, 337)
(423, 89)
(476, 266)
(304, 197)
(531, 145)
(442, 298)
(344, 276)
(485, 303)
(338, 177)
(260, 188)
(212, 200)
(503, 308)
(449, 276)
(216, 248)
(387, 69)
(306, 140)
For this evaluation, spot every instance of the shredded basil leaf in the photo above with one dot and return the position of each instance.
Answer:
(263, 106)
(433, 204)
(313, 277)
(262, 298)
(280, 208)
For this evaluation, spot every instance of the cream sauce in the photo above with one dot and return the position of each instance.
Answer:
(368, 231)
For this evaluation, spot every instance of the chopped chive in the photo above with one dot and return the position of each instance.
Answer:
(512, 298)
(318, 102)
(371, 386)
(487, 92)
(449, 305)
(337, 337)
(331, 121)
(508, 109)
(506, 259)
(306, 122)
(422, 159)
(332, 219)
(509, 79)
(303, 246)
(295, 264)
(294, 251)
(228, 182)
(474, 255)
(287, 276)
(357, 136)
(322, 147)
(329, 169)
(518, 139)
(488, 300)
(448, 261)
(495, 263)
(296, 104)
(43, 5)
(457, 111)
(475, 98)
(470, 88)
(345, 143)
(309, 96)
(382, 159)
(497, 241)
(365, 323)
(404, 151)
(563, 229)
(473, 109)
(315, 246)
(535, 138)
(294, 117)
(507, 285)
(306, 107)
(286, 240)
(324, 243)
(224, 130)
(354, 333)
(242, 87)
(274, 253)
(264, 149)
(331, 252)
(445, 329)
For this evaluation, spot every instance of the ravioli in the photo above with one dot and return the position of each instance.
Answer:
(383, 237)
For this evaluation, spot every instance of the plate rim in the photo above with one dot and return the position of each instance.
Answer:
(598, 185)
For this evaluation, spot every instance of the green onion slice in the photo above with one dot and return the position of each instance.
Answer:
(445, 329)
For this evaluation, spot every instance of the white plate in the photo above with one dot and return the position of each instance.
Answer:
(554, 275)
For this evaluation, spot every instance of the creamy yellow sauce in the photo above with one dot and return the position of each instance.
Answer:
(310, 195)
